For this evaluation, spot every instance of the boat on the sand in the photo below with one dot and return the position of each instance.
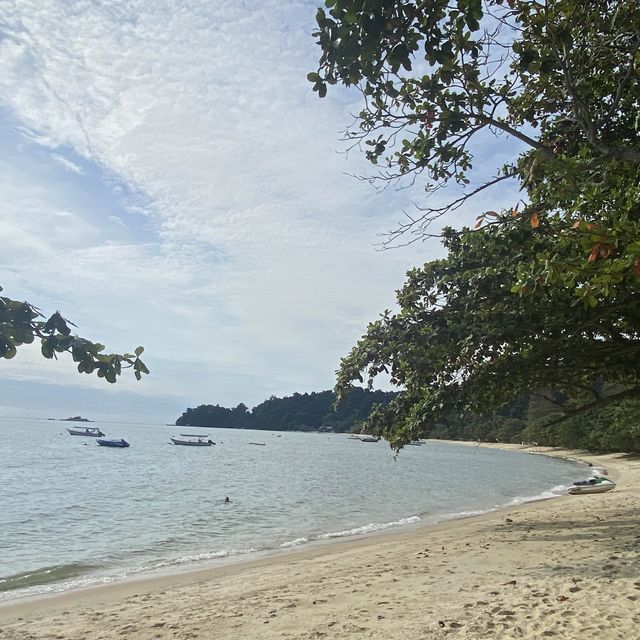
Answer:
(191, 440)
(119, 443)
(597, 484)
(91, 432)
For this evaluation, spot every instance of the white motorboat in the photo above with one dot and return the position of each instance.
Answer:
(597, 484)
(192, 440)
(91, 432)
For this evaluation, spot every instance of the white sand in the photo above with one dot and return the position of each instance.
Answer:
(565, 568)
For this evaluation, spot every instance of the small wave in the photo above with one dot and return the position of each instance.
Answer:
(464, 514)
(369, 528)
(44, 575)
(63, 578)
(197, 557)
(294, 543)
(554, 492)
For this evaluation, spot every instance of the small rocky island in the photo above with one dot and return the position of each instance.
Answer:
(75, 419)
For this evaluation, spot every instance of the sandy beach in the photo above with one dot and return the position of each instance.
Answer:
(563, 568)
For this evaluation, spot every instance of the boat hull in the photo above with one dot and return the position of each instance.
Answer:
(88, 433)
(592, 488)
(192, 443)
(117, 444)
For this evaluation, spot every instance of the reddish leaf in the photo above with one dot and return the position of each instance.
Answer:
(535, 221)
(605, 250)
(576, 224)
(478, 222)
(595, 252)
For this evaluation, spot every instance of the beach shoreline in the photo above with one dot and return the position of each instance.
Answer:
(368, 586)
(165, 569)
(269, 554)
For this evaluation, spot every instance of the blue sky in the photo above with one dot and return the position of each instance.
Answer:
(169, 179)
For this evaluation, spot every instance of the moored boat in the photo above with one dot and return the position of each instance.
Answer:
(190, 440)
(91, 432)
(120, 443)
(363, 437)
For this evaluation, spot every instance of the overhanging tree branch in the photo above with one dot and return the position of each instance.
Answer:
(614, 399)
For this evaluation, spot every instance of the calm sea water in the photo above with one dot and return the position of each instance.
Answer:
(74, 514)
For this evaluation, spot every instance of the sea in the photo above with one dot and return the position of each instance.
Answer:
(74, 514)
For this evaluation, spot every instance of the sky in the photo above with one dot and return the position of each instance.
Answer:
(169, 179)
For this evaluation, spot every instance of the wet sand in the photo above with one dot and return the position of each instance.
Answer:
(563, 568)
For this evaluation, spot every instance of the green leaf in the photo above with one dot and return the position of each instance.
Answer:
(19, 325)
(7, 349)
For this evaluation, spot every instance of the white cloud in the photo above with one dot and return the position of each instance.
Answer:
(117, 220)
(67, 164)
(255, 262)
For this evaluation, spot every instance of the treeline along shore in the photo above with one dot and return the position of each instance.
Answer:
(300, 412)
(530, 418)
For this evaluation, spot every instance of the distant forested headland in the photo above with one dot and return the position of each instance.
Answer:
(300, 412)
(530, 418)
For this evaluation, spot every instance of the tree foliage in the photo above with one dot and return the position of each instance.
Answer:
(21, 323)
(540, 295)
(560, 77)
(614, 428)
(526, 419)
(299, 412)
(464, 342)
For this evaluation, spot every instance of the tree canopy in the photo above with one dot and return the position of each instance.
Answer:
(463, 341)
(542, 294)
(21, 323)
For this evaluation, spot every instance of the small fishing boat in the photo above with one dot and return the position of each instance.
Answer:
(120, 443)
(597, 484)
(91, 432)
(191, 440)
(258, 444)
